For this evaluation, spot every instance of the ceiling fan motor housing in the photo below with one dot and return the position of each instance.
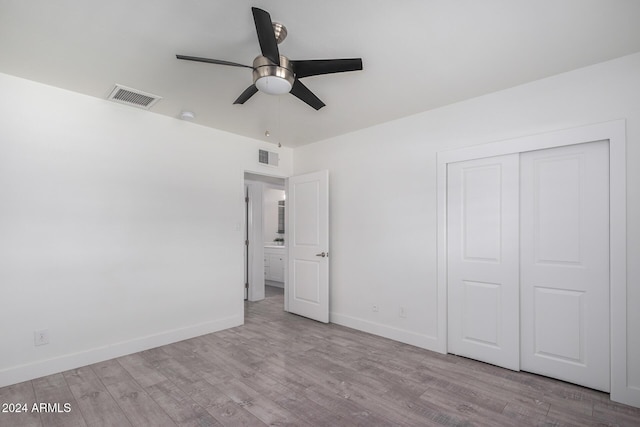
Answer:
(273, 78)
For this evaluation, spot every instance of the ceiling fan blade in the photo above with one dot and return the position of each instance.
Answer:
(212, 61)
(248, 93)
(303, 93)
(314, 67)
(266, 36)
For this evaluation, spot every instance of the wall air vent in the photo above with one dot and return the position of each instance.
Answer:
(133, 97)
(268, 158)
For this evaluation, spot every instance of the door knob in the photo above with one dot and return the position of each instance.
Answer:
(323, 254)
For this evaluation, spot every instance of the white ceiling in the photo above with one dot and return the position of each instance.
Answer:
(417, 54)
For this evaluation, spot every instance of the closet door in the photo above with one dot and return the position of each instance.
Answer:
(565, 263)
(482, 229)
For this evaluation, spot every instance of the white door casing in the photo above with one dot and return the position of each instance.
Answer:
(255, 238)
(483, 260)
(564, 266)
(308, 244)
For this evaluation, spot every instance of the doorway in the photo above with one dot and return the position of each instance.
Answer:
(265, 242)
(304, 269)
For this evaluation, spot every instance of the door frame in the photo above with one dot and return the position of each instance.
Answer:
(615, 133)
(255, 248)
(256, 182)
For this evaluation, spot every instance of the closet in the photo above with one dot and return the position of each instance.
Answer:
(528, 262)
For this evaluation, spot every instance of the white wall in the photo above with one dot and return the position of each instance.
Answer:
(116, 224)
(383, 194)
(120, 229)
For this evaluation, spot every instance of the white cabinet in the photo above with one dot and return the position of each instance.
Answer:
(276, 268)
(274, 262)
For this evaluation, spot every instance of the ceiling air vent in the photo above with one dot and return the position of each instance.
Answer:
(268, 157)
(133, 97)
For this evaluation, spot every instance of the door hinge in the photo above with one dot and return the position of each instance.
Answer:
(246, 243)
(246, 199)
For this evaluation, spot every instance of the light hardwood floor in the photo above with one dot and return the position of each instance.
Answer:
(281, 369)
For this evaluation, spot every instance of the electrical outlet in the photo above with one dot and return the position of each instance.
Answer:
(374, 308)
(403, 312)
(41, 337)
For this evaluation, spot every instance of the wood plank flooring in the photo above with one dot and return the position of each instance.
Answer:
(281, 369)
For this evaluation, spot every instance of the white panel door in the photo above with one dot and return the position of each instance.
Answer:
(308, 242)
(565, 263)
(483, 288)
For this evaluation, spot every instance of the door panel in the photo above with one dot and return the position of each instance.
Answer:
(308, 242)
(482, 229)
(557, 207)
(306, 272)
(565, 263)
(560, 311)
(307, 201)
(481, 309)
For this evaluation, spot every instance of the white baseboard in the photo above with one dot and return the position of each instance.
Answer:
(274, 284)
(29, 371)
(412, 338)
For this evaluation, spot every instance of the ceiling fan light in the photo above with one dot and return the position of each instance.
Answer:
(273, 85)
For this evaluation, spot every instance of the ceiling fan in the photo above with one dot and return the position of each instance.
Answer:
(276, 74)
